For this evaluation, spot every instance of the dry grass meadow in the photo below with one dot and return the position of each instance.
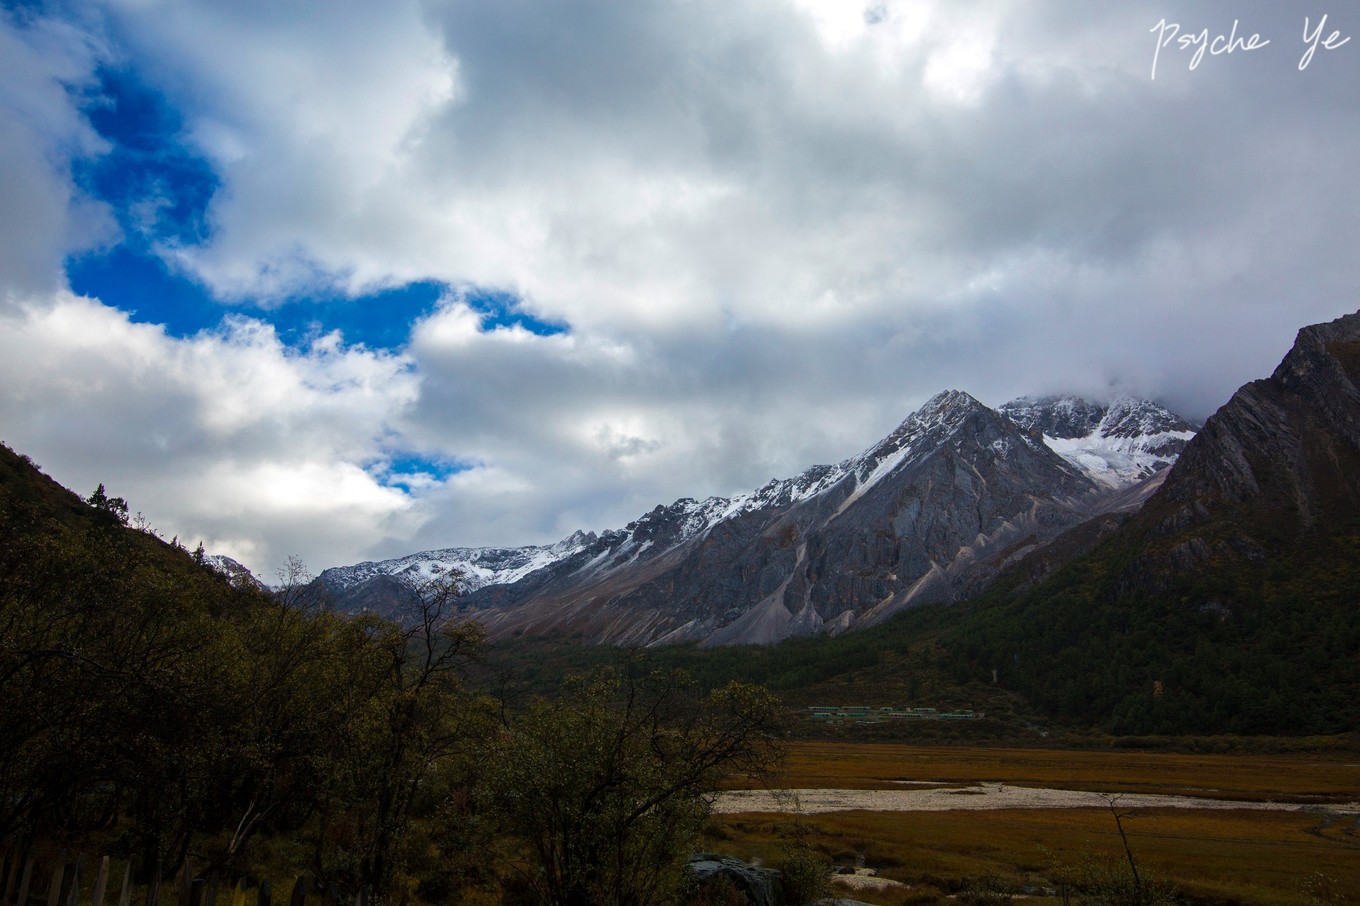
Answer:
(1302, 856)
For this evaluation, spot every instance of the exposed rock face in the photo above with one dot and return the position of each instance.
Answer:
(1281, 458)
(384, 595)
(1290, 433)
(925, 515)
(1116, 445)
(1055, 416)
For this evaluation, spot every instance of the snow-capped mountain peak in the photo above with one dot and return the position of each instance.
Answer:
(921, 515)
(1129, 417)
(942, 415)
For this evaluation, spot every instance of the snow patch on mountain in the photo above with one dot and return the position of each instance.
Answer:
(474, 567)
(1117, 445)
(236, 573)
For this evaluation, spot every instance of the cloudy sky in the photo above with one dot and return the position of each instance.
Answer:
(354, 279)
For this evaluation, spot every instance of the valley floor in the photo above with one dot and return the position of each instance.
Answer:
(1242, 828)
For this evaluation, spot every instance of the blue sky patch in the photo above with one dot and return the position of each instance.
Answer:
(157, 185)
(380, 320)
(502, 309)
(160, 190)
(403, 469)
(141, 284)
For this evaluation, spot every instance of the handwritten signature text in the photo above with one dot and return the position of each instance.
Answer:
(1173, 36)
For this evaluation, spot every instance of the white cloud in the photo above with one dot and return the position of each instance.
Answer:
(227, 436)
(310, 120)
(41, 64)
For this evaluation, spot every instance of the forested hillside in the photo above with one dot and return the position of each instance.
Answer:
(1255, 648)
(157, 711)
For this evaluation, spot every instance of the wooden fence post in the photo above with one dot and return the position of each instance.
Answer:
(125, 895)
(21, 899)
(12, 859)
(363, 897)
(58, 878)
(186, 880)
(153, 890)
(212, 890)
(299, 896)
(264, 898)
(101, 881)
(72, 893)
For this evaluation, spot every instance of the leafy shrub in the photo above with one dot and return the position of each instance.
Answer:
(988, 890)
(806, 876)
(1104, 882)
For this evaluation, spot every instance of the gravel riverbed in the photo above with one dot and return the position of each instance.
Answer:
(984, 796)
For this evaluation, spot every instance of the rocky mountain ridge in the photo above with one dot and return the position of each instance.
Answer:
(474, 567)
(1137, 437)
(1278, 462)
(931, 512)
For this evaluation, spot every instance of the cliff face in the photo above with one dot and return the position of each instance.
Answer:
(1279, 461)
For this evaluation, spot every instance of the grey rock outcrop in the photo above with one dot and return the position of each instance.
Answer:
(711, 872)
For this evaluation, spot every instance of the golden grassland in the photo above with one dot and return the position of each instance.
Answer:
(1297, 777)
(1251, 857)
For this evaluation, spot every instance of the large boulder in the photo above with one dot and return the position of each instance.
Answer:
(712, 872)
